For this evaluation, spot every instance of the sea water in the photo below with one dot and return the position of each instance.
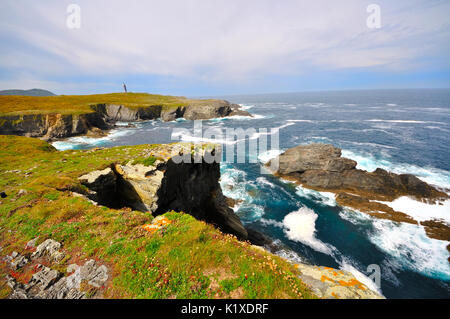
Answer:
(404, 131)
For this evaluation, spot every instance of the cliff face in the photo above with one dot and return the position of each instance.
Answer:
(51, 126)
(159, 184)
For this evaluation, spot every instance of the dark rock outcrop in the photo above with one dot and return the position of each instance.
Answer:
(51, 126)
(191, 186)
(321, 167)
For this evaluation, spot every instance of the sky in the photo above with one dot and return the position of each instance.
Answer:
(211, 47)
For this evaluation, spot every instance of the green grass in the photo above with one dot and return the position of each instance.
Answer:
(188, 259)
(81, 104)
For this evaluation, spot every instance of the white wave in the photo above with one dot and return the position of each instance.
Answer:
(74, 142)
(268, 155)
(407, 245)
(264, 182)
(301, 226)
(405, 121)
(421, 211)
(412, 248)
(199, 139)
(302, 121)
(391, 104)
(246, 107)
(271, 222)
(238, 117)
(431, 175)
(290, 255)
(325, 198)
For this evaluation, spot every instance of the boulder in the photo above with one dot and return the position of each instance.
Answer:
(49, 248)
(331, 283)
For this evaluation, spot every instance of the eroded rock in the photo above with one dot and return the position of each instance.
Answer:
(332, 283)
(49, 248)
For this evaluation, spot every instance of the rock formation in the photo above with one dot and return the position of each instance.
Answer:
(49, 283)
(103, 117)
(321, 167)
(162, 182)
(331, 283)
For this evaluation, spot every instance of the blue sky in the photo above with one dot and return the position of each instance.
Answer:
(201, 48)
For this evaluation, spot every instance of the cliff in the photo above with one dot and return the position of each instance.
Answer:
(80, 224)
(321, 167)
(63, 116)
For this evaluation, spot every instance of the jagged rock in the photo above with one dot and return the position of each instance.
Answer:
(49, 248)
(207, 111)
(102, 183)
(48, 283)
(44, 278)
(15, 260)
(321, 167)
(191, 186)
(331, 283)
(313, 157)
(172, 114)
(138, 185)
(31, 243)
(19, 262)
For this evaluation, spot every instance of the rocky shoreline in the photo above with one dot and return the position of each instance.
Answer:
(103, 117)
(320, 167)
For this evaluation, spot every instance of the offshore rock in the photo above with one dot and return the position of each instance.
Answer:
(321, 167)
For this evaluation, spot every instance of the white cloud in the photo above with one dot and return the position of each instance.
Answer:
(220, 40)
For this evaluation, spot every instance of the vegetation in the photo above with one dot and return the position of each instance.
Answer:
(186, 259)
(81, 104)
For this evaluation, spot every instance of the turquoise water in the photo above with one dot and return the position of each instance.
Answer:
(405, 131)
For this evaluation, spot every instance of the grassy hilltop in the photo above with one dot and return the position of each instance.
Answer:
(80, 104)
(188, 259)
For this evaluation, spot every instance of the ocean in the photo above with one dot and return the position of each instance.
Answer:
(403, 131)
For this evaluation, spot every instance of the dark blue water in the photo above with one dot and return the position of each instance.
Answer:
(405, 131)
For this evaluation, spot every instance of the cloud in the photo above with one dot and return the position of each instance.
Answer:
(219, 40)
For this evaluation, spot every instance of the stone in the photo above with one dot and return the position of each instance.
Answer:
(331, 283)
(32, 243)
(321, 167)
(49, 248)
(18, 262)
(44, 278)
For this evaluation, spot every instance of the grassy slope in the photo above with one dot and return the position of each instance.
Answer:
(79, 104)
(189, 259)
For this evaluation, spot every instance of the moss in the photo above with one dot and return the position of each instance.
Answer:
(149, 161)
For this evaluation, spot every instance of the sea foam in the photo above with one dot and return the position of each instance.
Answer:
(301, 226)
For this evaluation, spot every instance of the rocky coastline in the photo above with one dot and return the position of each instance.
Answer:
(104, 116)
(320, 167)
